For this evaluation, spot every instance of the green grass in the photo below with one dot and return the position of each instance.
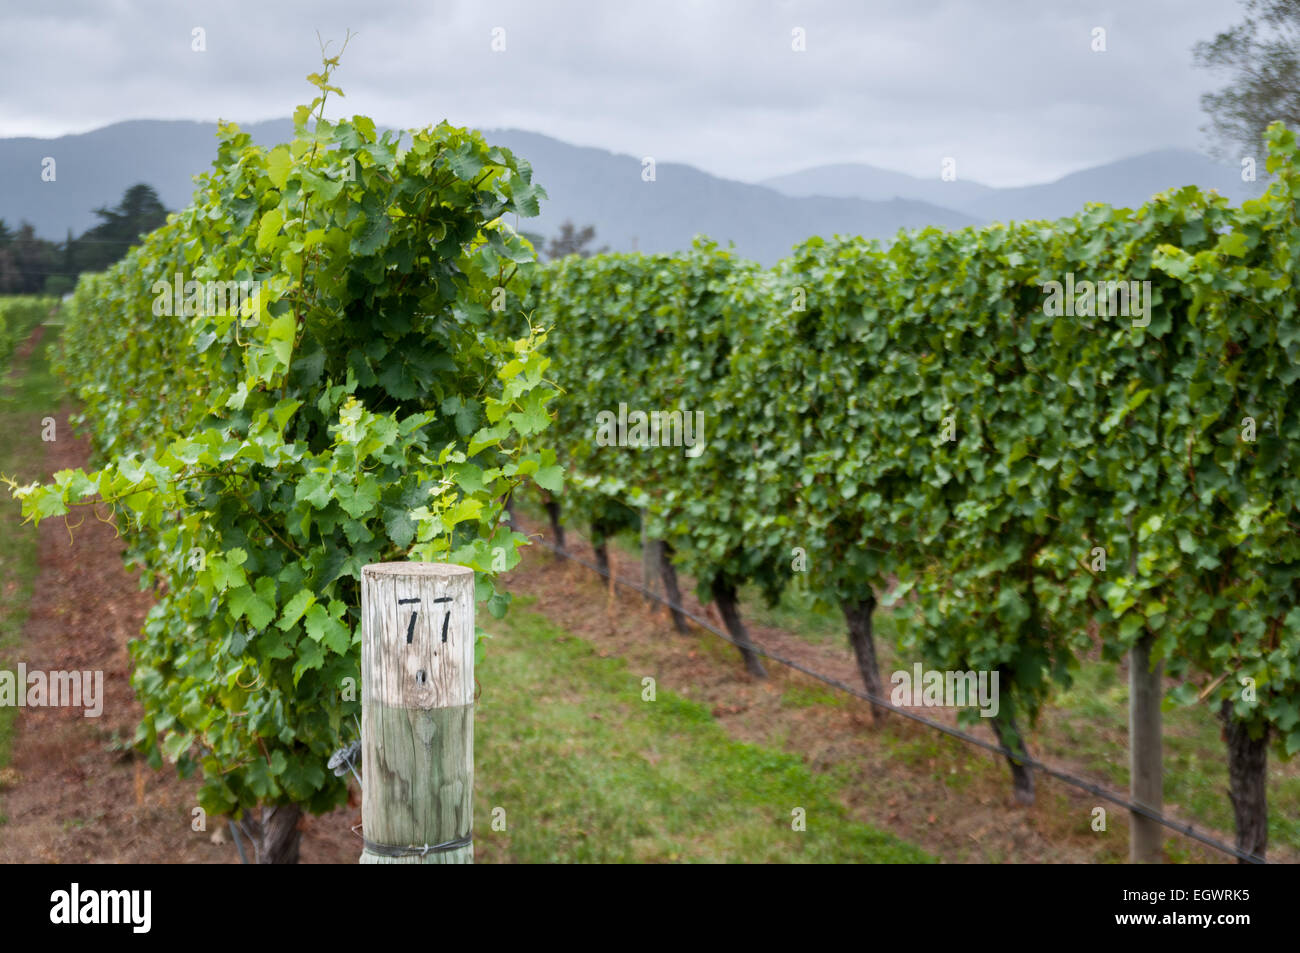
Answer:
(796, 612)
(28, 394)
(588, 771)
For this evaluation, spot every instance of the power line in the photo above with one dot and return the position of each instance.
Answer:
(1020, 758)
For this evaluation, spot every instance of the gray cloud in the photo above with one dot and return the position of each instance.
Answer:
(1010, 89)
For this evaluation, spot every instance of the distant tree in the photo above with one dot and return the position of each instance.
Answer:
(11, 276)
(139, 212)
(32, 259)
(10, 279)
(1262, 54)
(573, 241)
(32, 265)
(68, 267)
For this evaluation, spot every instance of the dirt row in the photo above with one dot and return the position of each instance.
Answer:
(74, 791)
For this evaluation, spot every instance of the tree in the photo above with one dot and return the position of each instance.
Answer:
(32, 265)
(32, 258)
(138, 214)
(10, 278)
(573, 241)
(1262, 53)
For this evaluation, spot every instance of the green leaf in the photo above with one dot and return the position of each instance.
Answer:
(366, 126)
(278, 164)
(464, 162)
(295, 607)
(1234, 245)
(280, 336)
(269, 229)
(400, 527)
(466, 508)
(533, 418)
(372, 237)
(550, 478)
(256, 603)
(487, 437)
(315, 488)
(310, 656)
(325, 627)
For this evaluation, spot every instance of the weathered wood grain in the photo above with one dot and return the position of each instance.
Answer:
(417, 723)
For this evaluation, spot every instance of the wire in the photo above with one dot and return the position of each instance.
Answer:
(1017, 757)
(239, 843)
(391, 850)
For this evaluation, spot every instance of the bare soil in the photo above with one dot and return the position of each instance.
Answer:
(74, 791)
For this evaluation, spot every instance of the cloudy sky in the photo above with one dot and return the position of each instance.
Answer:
(1011, 88)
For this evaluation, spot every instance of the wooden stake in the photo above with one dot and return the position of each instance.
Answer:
(649, 566)
(417, 712)
(1146, 773)
(609, 593)
(1146, 837)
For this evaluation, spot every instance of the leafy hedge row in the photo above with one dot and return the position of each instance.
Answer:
(18, 315)
(361, 410)
(922, 418)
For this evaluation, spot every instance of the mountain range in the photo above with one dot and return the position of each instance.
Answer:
(605, 189)
(1124, 183)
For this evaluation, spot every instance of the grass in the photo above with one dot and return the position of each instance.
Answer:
(30, 393)
(586, 770)
(797, 611)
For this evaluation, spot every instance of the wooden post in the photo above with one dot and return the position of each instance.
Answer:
(1145, 770)
(649, 565)
(417, 713)
(1146, 775)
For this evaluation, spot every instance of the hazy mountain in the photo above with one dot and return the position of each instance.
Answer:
(93, 169)
(1125, 183)
(589, 186)
(595, 186)
(857, 180)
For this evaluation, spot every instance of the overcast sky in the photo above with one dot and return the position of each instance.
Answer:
(1010, 88)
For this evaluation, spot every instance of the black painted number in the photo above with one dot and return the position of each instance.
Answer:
(410, 627)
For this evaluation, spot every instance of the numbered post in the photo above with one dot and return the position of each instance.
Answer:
(417, 713)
